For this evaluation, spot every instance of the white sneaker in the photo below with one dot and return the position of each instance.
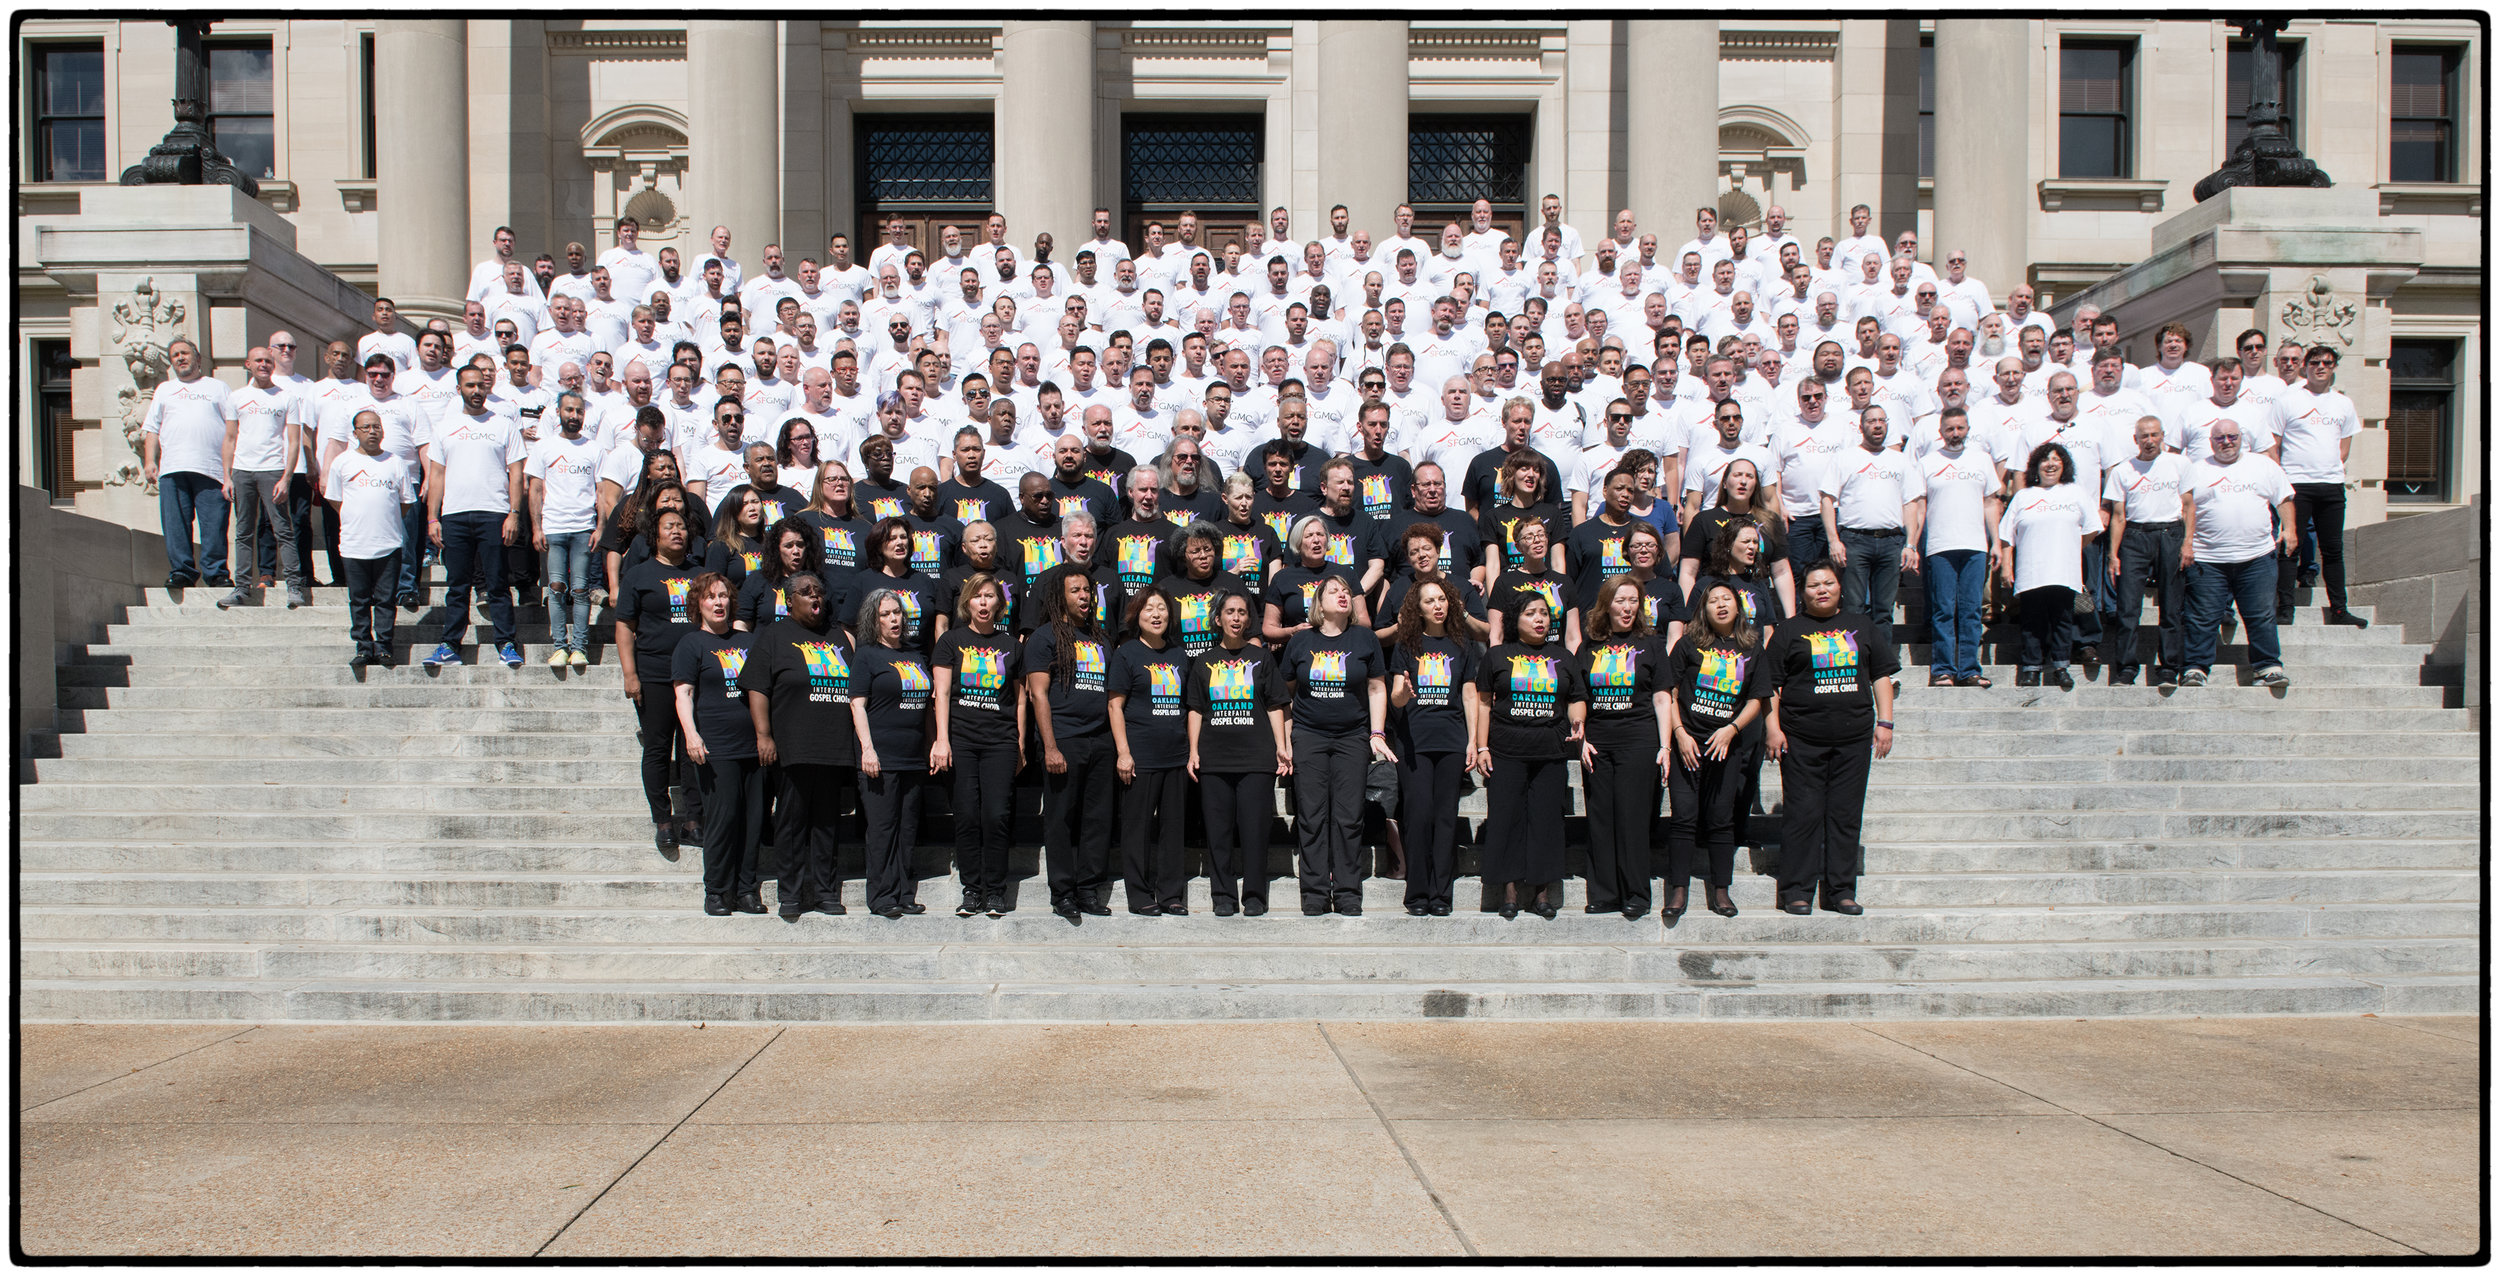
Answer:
(2272, 676)
(2192, 678)
(555, 658)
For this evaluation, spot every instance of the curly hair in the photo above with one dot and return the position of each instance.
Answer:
(2065, 460)
(811, 554)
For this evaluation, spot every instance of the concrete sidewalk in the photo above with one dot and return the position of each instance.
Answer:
(2249, 1137)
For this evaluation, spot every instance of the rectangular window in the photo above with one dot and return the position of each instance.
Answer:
(2423, 125)
(1204, 164)
(67, 112)
(365, 57)
(1926, 106)
(242, 106)
(1454, 160)
(2095, 93)
(53, 366)
(2235, 108)
(2421, 419)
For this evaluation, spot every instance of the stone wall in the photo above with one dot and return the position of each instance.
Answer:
(76, 575)
(2426, 574)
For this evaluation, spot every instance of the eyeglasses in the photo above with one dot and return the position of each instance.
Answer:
(281, 345)
(802, 438)
(734, 416)
(1618, 416)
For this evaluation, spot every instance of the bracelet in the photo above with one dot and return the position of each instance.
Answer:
(1885, 725)
(1380, 735)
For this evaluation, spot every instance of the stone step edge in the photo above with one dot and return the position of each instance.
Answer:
(1281, 911)
(679, 875)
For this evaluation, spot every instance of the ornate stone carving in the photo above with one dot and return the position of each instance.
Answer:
(144, 324)
(2318, 315)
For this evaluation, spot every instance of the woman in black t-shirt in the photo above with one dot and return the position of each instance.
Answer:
(738, 536)
(1419, 551)
(1736, 561)
(1291, 590)
(1833, 675)
(629, 542)
(1662, 604)
(1197, 585)
(1434, 701)
(1532, 578)
(1534, 705)
(797, 683)
(1151, 742)
(885, 563)
(980, 736)
(720, 740)
(1237, 748)
(1250, 550)
(1623, 756)
(1340, 681)
(654, 613)
(1741, 499)
(790, 549)
(836, 520)
(1067, 669)
(890, 710)
(1524, 501)
(979, 557)
(1719, 680)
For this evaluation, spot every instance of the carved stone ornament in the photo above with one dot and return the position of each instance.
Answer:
(2319, 315)
(145, 324)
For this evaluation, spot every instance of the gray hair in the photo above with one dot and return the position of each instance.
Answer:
(868, 611)
(1068, 522)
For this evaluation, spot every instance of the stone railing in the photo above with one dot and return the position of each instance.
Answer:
(76, 575)
(2425, 572)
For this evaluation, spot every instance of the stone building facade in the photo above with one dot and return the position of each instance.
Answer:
(2048, 148)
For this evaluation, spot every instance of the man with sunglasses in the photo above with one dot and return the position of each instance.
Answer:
(2319, 423)
(719, 464)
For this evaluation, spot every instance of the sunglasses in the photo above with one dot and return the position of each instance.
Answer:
(734, 416)
(1618, 416)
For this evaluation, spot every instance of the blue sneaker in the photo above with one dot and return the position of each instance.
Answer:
(510, 654)
(444, 654)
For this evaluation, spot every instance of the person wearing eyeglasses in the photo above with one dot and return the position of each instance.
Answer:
(719, 464)
(2319, 423)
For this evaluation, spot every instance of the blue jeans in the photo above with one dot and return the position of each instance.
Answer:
(473, 548)
(1957, 579)
(1871, 581)
(2091, 625)
(181, 498)
(568, 584)
(2213, 589)
(413, 545)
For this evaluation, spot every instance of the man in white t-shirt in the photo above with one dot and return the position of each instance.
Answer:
(2319, 423)
(268, 449)
(1872, 508)
(2146, 530)
(186, 446)
(717, 464)
(473, 495)
(2259, 418)
(630, 270)
(373, 495)
(563, 472)
(487, 278)
(1707, 459)
(2233, 507)
(1964, 486)
(1846, 253)
(387, 338)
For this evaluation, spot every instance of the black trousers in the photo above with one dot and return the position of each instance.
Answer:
(2148, 561)
(372, 589)
(1428, 818)
(1702, 807)
(1328, 816)
(473, 550)
(1076, 819)
(1823, 791)
(1524, 807)
(889, 805)
(1157, 875)
(329, 542)
(664, 745)
(1241, 813)
(1623, 801)
(733, 823)
(2048, 619)
(2318, 510)
(807, 825)
(985, 815)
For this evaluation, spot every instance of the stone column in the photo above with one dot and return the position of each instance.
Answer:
(1671, 126)
(1876, 68)
(421, 122)
(1983, 68)
(733, 142)
(1045, 132)
(1362, 124)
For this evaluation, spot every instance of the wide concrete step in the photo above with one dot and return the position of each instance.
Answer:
(1652, 959)
(584, 740)
(977, 1001)
(660, 890)
(262, 678)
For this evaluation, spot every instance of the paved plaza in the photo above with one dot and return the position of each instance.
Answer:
(2207, 1137)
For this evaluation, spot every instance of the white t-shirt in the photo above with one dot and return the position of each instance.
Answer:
(189, 419)
(1804, 452)
(570, 470)
(2314, 428)
(2046, 527)
(631, 272)
(621, 465)
(2083, 441)
(1705, 462)
(2259, 421)
(260, 417)
(475, 452)
(401, 347)
(2149, 489)
(370, 491)
(1958, 485)
(719, 469)
(1868, 488)
(2235, 507)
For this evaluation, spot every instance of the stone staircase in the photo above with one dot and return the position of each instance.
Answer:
(240, 828)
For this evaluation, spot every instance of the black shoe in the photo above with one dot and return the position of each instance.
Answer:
(970, 906)
(891, 912)
(1798, 907)
(998, 905)
(829, 907)
(1316, 910)
(384, 660)
(751, 902)
(1254, 908)
(2027, 678)
(1722, 903)
(792, 912)
(1510, 912)
(664, 836)
(915, 908)
(1065, 908)
(2124, 677)
(1440, 910)
(359, 660)
(1093, 908)
(410, 602)
(1149, 910)
(2090, 655)
(1545, 911)
(2339, 616)
(2307, 580)
(2065, 679)
(219, 581)
(715, 906)
(179, 581)
(1349, 908)
(1847, 906)
(1418, 910)
(2284, 615)
(1674, 908)
(1226, 910)
(1634, 913)
(1594, 909)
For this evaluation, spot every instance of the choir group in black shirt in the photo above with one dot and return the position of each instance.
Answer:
(884, 638)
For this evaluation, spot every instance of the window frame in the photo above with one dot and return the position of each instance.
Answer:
(2453, 160)
(53, 413)
(1926, 107)
(2293, 50)
(267, 46)
(2451, 390)
(2129, 137)
(37, 118)
(368, 115)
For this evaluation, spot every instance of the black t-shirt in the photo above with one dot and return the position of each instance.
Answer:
(1331, 677)
(1596, 551)
(1110, 468)
(877, 502)
(1825, 672)
(1481, 488)
(897, 686)
(1511, 592)
(951, 588)
(1088, 494)
(1194, 605)
(1140, 552)
(985, 680)
(978, 502)
(1712, 684)
(1661, 602)
(1250, 554)
(620, 539)
(1293, 589)
(736, 564)
(1180, 509)
(1702, 535)
(658, 602)
(1404, 583)
(1233, 691)
(1353, 540)
(1528, 691)
(710, 663)
(1381, 487)
(805, 676)
(1079, 696)
(1435, 721)
(761, 600)
(1462, 545)
(842, 539)
(1278, 514)
(1754, 600)
(1110, 601)
(921, 604)
(698, 556)
(1306, 465)
(933, 543)
(780, 503)
(1028, 549)
(1623, 677)
(1500, 523)
(1158, 736)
